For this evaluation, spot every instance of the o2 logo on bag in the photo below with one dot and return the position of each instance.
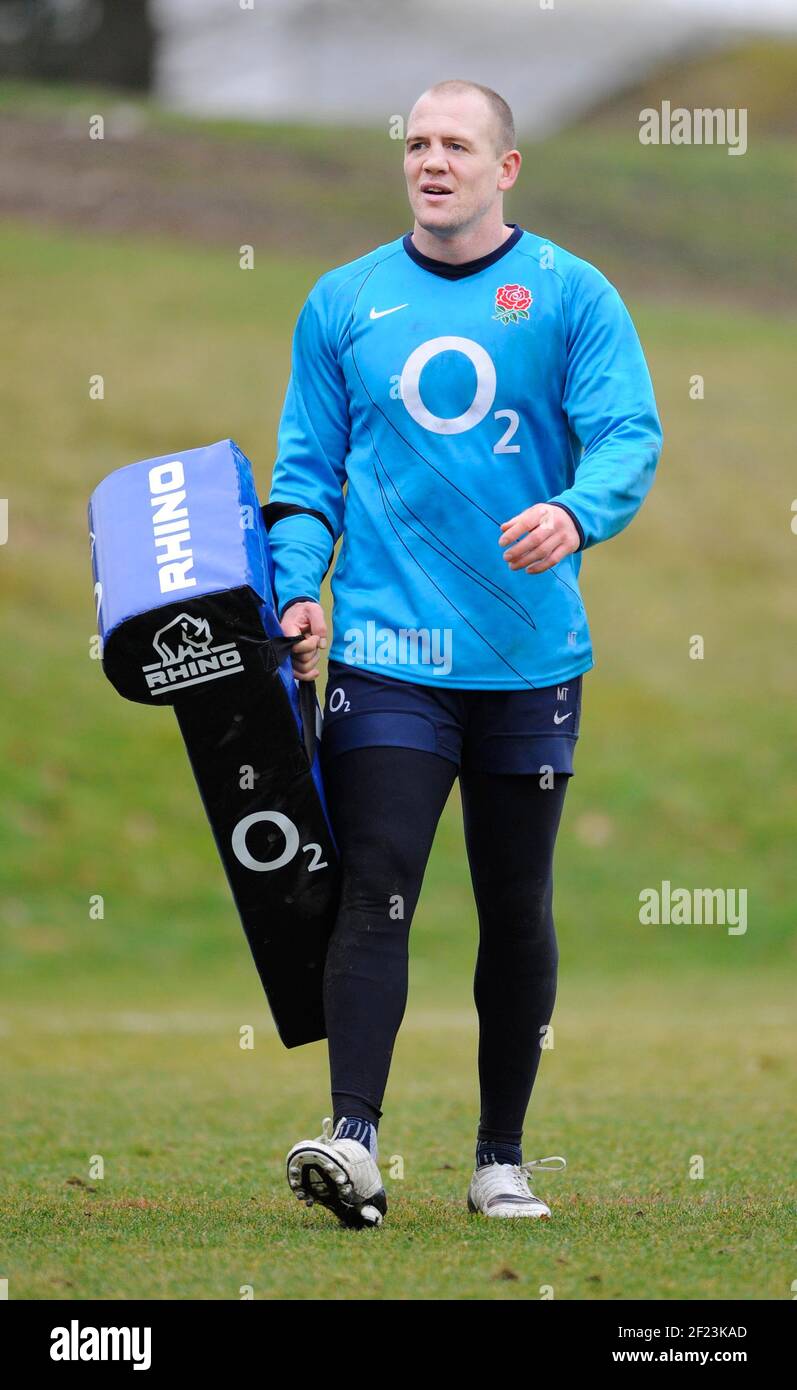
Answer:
(292, 841)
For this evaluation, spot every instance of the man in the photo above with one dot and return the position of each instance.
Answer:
(484, 396)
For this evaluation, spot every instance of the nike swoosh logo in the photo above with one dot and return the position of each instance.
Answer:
(380, 313)
(560, 718)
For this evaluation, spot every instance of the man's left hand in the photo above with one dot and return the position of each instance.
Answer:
(548, 532)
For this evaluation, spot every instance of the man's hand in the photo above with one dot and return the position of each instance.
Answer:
(551, 535)
(308, 617)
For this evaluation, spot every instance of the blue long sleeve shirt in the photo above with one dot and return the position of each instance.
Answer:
(426, 405)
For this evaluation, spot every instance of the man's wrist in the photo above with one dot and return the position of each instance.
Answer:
(303, 598)
(575, 521)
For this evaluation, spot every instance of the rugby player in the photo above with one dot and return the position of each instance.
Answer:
(470, 409)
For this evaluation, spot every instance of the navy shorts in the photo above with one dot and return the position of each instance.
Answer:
(479, 730)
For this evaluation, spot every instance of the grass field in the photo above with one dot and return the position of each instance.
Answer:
(193, 1132)
(120, 1035)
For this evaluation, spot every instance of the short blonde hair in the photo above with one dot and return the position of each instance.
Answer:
(502, 112)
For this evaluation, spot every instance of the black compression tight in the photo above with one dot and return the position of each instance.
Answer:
(384, 804)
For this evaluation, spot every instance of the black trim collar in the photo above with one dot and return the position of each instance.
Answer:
(451, 271)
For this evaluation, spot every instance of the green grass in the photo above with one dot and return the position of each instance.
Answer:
(120, 1034)
(193, 1132)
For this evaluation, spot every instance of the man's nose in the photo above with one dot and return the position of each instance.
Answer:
(435, 160)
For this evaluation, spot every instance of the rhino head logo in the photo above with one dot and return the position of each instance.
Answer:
(183, 637)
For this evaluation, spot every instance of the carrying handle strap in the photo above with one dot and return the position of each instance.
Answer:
(281, 647)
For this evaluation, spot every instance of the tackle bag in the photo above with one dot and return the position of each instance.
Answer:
(183, 584)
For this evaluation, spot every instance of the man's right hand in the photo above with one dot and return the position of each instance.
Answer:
(306, 617)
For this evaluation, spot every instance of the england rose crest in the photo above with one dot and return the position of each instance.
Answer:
(512, 303)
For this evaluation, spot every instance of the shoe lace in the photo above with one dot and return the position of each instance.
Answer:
(516, 1175)
(524, 1171)
(553, 1164)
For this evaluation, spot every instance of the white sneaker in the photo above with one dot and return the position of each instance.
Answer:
(340, 1174)
(502, 1189)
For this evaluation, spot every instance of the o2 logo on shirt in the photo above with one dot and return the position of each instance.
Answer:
(483, 398)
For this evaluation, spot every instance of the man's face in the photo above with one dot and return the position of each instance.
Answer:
(451, 146)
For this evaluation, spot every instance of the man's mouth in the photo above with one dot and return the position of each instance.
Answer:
(435, 191)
